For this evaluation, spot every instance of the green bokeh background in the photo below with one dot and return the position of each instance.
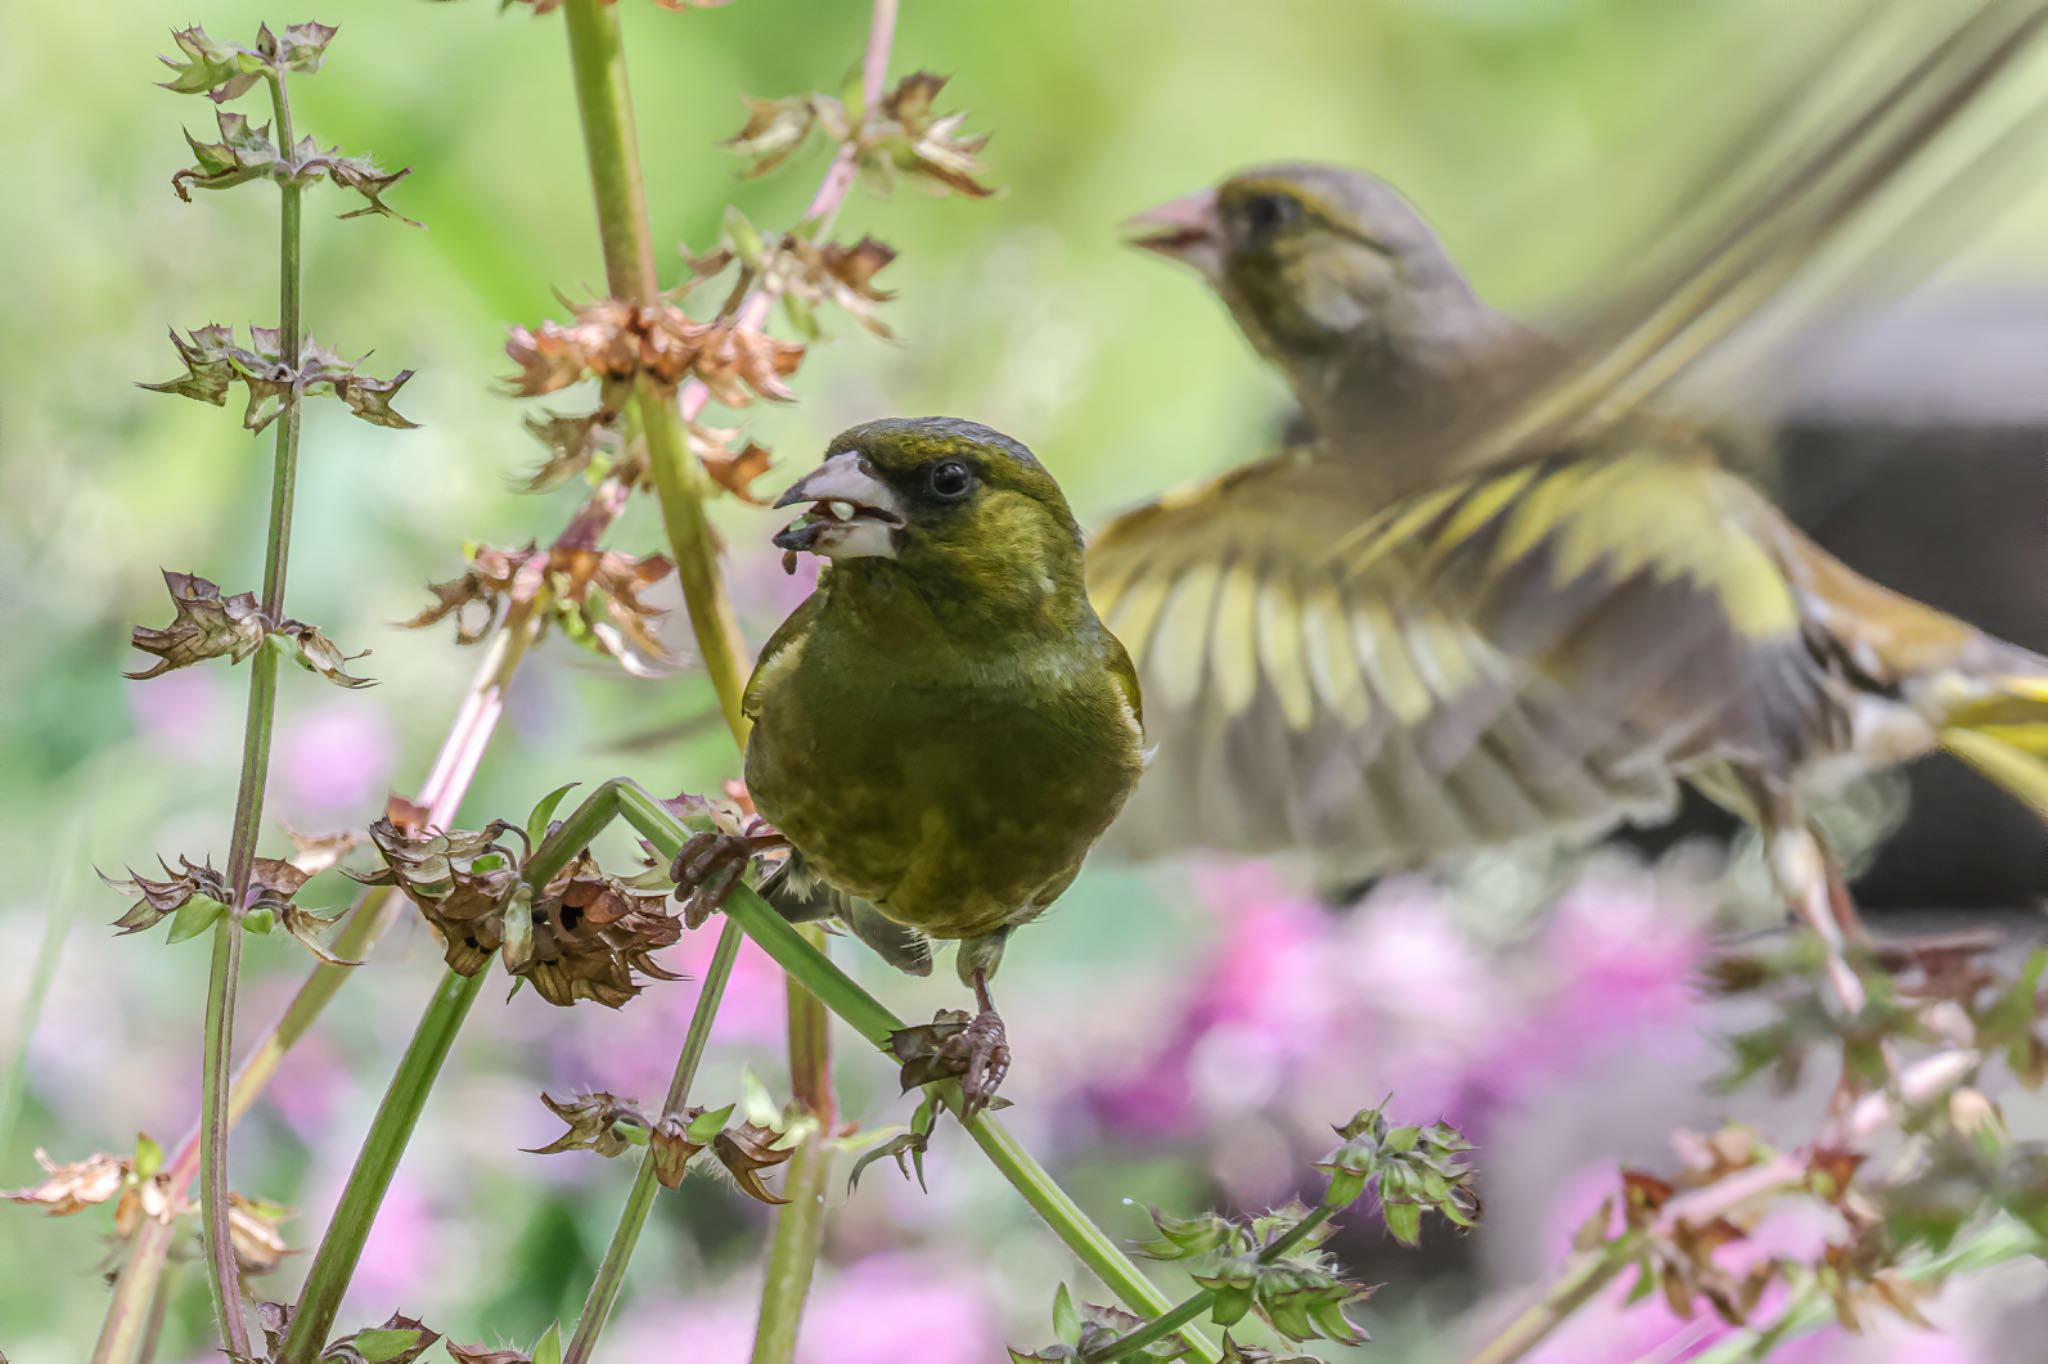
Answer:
(1540, 134)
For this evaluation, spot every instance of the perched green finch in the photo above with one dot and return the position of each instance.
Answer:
(944, 728)
(1354, 652)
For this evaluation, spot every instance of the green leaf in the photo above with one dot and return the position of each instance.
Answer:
(548, 1349)
(195, 916)
(708, 1124)
(1404, 1221)
(1066, 1322)
(1231, 1305)
(149, 1156)
(543, 812)
(1346, 1186)
(378, 1345)
(900, 1146)
(259, 921)
(747, 242)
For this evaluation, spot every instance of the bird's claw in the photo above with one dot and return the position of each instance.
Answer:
(985, 1049)
(710, 865)
(975, 1051)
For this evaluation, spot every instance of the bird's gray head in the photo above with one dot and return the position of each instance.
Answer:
(1318, 264)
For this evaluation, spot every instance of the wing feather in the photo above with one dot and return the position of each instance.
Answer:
(1540, 649)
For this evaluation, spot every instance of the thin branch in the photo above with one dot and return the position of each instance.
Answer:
(611, 1274)
(397, 1115)
(1920, 1083)
(223, 1278)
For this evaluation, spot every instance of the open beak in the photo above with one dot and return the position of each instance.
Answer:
(853, 514)
(1186, 229)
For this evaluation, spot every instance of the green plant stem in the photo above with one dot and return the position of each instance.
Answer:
(1197, 1305)
(1572, 1291)
(866, 1015)
(799, 1223)
(56, 927)
(680, 486)
(223, 1279)
(611, 1274)
(476, 720)
(604, 99)
(597, 62)
(153, 1328)
(334, 1263)
(793, 1255)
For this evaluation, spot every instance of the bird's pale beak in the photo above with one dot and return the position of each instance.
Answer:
(853, 514)
(1186, 229)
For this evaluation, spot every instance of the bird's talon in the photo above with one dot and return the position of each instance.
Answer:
(709, 866)
(987, 1047)
(975, 1051)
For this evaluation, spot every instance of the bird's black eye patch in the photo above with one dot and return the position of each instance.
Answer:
(1265, 214)
(951, 480)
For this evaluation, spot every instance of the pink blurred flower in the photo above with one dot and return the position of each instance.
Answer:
(880, 1310)
(1613, 966)
(632, 1052)
(403, 1252)
(888, 1308)
(312, 1089)
(1316, 1009)
(333, 758)
(182, 714)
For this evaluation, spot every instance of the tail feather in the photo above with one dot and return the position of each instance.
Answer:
(2022, 773)
(2004, 735)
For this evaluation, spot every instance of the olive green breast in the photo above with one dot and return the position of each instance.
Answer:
(956, 792)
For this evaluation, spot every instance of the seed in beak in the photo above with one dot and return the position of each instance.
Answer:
(842, 510)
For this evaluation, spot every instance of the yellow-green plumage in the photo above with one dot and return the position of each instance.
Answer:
(943, 730)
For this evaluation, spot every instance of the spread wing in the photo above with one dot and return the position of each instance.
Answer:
(1538, 649)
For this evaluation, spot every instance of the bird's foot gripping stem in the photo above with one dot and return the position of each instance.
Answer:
(710, 865)
(975, 1051)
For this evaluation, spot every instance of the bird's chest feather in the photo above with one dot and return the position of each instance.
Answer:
(955, 796)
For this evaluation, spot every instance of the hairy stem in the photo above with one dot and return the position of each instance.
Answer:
(334, 1263)
(680, 486)
(222, 1278)
(611, 1274)
(793, 1255)
(799, 1223)
(476, 720)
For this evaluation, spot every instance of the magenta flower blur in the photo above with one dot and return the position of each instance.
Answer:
(333, 758)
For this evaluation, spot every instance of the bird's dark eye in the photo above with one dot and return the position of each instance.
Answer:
(1265, 214)
(951, 480)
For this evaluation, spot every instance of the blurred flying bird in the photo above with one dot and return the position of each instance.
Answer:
(1490, 594)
